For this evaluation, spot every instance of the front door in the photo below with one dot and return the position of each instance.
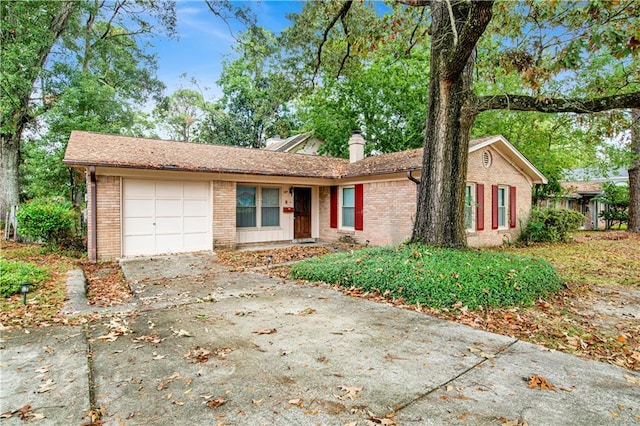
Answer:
(302, 213)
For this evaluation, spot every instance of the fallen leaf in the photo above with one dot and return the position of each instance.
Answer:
(632, 379)
(43, 369)
(216, 402)
(350, 392)
(486, 355)
(297, 402)
(541, 382)
(257, 402)
(181, 333)
(150, 338)
(266, 331)
(307, 311)
(198, 354)
(46, 386)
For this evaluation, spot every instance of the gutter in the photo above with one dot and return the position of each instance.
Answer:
(93, 216)
(411, 178)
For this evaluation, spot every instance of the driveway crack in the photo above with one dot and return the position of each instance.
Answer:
(421, 397)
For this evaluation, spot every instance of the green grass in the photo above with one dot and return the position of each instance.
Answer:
(439, 278)
(13, 274)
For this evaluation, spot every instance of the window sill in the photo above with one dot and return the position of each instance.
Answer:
(346, 231)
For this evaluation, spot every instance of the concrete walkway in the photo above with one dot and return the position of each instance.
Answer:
(206, 346)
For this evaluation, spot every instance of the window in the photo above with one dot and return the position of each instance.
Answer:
(468, 207)
(348, 207)
(246, 207)
(502, 207)
(270, 207)
(249, 198)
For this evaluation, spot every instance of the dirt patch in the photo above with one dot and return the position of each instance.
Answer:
(106, 285)
(241, 260)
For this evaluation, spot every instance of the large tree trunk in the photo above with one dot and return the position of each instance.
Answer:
(21, 115)
(10, 162)
(440, 213)
(634, 174)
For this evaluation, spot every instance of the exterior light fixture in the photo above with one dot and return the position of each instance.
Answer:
(269, 259)
(291, 190)
(24, 289)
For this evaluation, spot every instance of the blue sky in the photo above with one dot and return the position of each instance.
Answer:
(204, 41)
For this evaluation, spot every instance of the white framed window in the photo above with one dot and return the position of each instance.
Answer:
(257, 206)
(469, 207)
(503, 202)
(348, 207)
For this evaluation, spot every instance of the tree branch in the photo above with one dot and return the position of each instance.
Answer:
(340, 15)
(346, 56)
(412, 41)
(415, 3)
(556, 105)
(476, 20)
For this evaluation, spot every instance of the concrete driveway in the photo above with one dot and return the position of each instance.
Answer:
(206, 346)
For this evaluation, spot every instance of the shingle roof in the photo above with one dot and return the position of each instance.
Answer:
(98, 149)
(393, 162)
(85, 149)
(579, 187)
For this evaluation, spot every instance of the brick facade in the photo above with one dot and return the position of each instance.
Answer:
(389, 211)
(388, 200)
(109, 217)
(390, 206)
(224, 215)
(500, 172)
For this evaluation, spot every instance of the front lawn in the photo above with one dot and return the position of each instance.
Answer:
(437, 278)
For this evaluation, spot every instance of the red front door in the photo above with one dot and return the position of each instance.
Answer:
(302, 213)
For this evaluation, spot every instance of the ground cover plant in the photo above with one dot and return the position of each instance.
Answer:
(14, 274)
(437, 277)
(106, 286)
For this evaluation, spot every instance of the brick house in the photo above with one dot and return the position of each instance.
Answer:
(147, 197)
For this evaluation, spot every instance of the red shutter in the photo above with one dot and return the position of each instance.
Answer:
(333, 215)
(512, 206)
(494, 206)
(359, 208)
(479, 207)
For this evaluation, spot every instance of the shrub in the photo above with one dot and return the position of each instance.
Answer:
(551, 225)
(437, 277)
(13, 274)
(48, 220)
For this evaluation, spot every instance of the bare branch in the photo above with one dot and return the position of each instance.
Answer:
(452, 18)
(415, 3)
(346, 56)
(340, 15)
(413, 42)
(556, 105)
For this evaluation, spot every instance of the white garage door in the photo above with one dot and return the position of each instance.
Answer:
(165, 217)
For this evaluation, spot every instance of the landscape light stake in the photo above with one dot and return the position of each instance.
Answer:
(269, 258)
(24, 289)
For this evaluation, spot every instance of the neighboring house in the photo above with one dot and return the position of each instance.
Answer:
(148, 197)
(303, 143)
(581, 189)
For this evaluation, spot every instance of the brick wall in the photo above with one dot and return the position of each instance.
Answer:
(108, 219)
(224, 215)
(389, 207)
(500, 172)
(389, 211)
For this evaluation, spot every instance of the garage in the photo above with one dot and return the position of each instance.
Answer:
(165, 217)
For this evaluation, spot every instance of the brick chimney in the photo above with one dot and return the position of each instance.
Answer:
(356, 147)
